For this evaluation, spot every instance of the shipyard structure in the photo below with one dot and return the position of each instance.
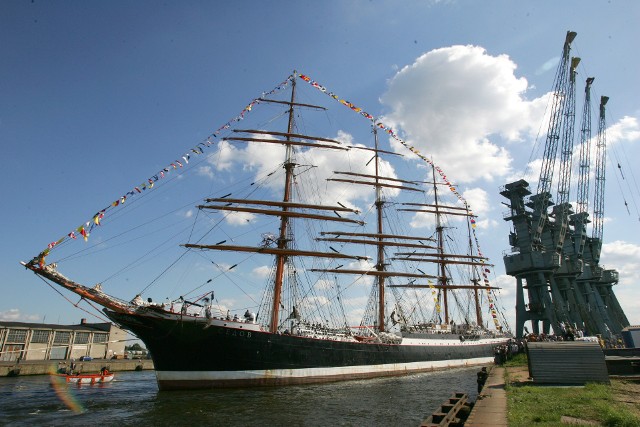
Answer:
(21, 341)
(561, 285)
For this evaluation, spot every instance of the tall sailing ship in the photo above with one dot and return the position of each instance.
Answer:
(365, 273)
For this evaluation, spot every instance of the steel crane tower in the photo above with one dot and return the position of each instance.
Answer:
(542, 199)
(553, 260)
(582, 203)
(598, 282)
(585, 313)
(601, 157)
(535, 241)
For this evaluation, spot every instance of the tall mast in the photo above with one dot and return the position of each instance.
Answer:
(284, 219)
(380, 260)
(475, 280)
(440, 243)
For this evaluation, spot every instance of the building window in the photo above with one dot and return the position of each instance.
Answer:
(100, 338)
(17, 335)
(62, 337)
(81, 338)
(41, 337)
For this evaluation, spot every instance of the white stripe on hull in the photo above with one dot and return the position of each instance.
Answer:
(440, 342)
(185, 379)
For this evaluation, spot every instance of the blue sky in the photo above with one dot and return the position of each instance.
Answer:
(97, 96)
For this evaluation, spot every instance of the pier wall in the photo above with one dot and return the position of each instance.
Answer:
(49, 366)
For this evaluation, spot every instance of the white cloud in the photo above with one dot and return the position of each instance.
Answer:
(478, 200)
(423, 220)
(265, 160)
(324, 284)
(452, 101)
(262, 271)
(15, 315)
(551, 64)
(224, 156)
(625, 258)
(626, 129)
(205, 171)
(238, 218)
(480, 206)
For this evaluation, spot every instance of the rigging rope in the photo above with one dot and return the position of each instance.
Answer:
(415, 151)
(85, 228)
(71, 302)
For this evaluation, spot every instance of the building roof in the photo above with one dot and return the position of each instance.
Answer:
(106, 327)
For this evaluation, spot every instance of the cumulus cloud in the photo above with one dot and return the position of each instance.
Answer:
(451, 102)
(205, 171)
(480, 204)
(265, 160)
(262, 271)
(324, 284)
(478, 200)
(625, 258)
(238, 218)
(626, 129)
(15, 315)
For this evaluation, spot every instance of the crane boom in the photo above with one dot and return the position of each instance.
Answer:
(582, 202)
(601, 157)
(553, 136)
(569, 116)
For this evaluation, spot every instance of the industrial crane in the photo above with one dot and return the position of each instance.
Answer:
(553, 260)
(596, 281)
(585, 311)
(542, 198)
(537, 240)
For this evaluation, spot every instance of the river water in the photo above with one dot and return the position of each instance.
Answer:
(133, 399)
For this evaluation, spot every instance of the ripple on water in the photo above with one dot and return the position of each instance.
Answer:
(134, 398)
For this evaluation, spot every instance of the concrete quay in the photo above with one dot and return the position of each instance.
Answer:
(43, 367)
(490, 408)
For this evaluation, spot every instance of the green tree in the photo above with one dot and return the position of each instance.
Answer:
(134, 347)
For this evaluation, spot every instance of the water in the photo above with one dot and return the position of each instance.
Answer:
(134, 399)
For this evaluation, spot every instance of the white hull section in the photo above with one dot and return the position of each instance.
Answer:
(444, 343)
(181, 379)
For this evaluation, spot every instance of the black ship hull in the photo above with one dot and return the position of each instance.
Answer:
(192, 353)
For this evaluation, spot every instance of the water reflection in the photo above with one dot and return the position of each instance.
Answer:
(133, 398)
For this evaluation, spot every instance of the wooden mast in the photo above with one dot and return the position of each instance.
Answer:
(284, 219)
(439, 231)
(475, 280)
(380, 261)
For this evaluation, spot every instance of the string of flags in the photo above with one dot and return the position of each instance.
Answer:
(415, 151)
(84, 230)
(485, 276)
(385, 128)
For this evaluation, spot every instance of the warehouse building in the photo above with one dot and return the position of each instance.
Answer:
(39, 341)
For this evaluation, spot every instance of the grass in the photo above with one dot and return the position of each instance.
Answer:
(530, 405)
(519, 359)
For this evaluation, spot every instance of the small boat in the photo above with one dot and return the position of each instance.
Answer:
(89, 378)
